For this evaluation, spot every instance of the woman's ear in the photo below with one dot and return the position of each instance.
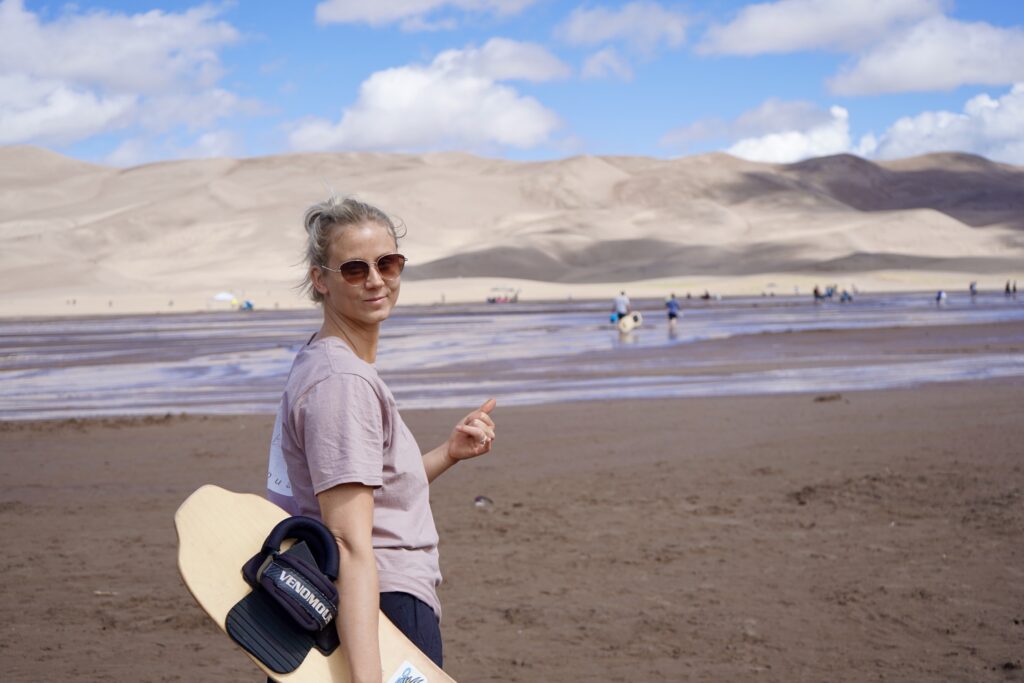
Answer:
(316, 274)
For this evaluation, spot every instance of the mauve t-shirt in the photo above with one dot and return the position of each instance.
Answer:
(340, 425)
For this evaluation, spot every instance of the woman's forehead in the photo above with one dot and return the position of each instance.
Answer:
(365, 240)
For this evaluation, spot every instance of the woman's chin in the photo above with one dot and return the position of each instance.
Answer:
(377, 312)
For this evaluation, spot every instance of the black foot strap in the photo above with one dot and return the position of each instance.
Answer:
(268, 632)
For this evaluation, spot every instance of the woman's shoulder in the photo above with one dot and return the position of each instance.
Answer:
(331, 356)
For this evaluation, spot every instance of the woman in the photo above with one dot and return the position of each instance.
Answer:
(350, 459)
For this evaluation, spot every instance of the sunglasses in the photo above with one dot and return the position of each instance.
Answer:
(356, 271)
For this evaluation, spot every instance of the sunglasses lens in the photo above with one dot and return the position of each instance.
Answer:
(355, 272)
(391, 266)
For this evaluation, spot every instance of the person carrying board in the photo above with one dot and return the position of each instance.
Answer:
(341, 452)
(621, 307)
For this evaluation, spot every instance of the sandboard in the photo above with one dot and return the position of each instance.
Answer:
(630, 322)
(219, 530)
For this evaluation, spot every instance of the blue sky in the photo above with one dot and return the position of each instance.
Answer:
(131, 82)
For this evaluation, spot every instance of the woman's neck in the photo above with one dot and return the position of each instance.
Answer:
(362, 339)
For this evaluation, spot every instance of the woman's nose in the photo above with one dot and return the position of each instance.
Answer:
(374, 279)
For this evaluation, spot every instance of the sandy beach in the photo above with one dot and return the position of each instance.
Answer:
(853, 537)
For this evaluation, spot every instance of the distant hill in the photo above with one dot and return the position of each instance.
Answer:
(73, 226)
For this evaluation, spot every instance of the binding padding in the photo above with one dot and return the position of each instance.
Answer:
(318, 538)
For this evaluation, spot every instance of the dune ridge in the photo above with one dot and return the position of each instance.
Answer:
(171, 234)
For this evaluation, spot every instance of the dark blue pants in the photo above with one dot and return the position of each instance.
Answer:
(416, 620)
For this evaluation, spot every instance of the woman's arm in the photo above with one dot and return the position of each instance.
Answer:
(347, 510)
(472, 436)
(437, 462)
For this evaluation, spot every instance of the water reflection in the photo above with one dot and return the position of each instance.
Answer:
(452, 355)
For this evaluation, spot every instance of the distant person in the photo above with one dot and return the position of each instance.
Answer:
(622, 307)
(846, 297)
(672, 304)
(973, 289)
(940, 297)
(1008, 291)
(1014, 289)
(817, 293)
(706, 296)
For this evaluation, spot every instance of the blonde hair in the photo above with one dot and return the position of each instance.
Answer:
(324, 218)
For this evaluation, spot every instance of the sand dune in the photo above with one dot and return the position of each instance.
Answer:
(169, 235)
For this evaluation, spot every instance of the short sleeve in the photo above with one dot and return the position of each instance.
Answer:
(341, 422)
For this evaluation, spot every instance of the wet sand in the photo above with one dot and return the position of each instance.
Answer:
(854, 537)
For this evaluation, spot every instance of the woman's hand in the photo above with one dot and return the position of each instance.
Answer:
(473, 435)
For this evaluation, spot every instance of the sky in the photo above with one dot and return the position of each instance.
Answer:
(134, 81)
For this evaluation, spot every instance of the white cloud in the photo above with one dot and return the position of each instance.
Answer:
(771, 116)
(455, 102)
(795, 25)
(411, 15)
(776, 131)
(85, 73)
(54, 112)
(936, 54)
(161, 113)
(214, 143)
(774, 114)
(501, 59)
(139, 150)
(993, 128)
(141, 53)
(705, 129)
(130, 152)
(607, 63)
(897, 45)
(829, 137)
(642, 25)
(419, 24)
(783, 132)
